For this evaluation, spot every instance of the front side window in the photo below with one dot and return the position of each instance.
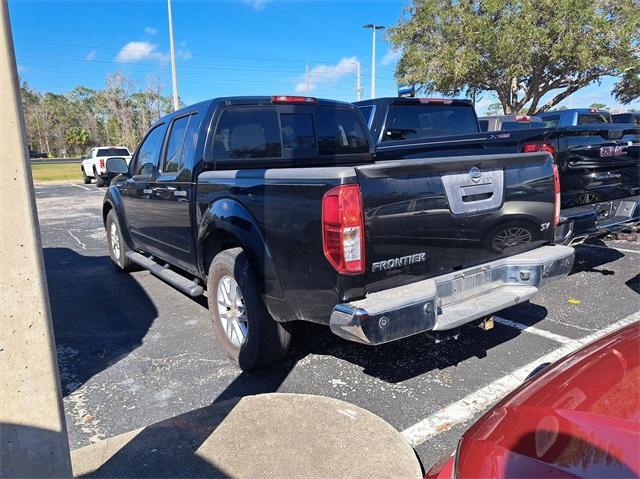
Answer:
(247, 133)
(174, 155)
(149, 151)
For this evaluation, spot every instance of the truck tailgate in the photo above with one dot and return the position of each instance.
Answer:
(428, 217)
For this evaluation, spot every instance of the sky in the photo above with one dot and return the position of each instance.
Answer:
(223, 48)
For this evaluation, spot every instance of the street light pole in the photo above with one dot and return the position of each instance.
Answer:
(373, 55)
(174, 78)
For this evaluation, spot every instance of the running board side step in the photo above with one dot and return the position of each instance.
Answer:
(174, 279)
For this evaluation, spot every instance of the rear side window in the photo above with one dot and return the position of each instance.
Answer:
(592, 118)
(113, 152)
(366, 112)
(339, 132)
(406, 122)
(484, 125)
(174, 153)
(551, 121)
(247, 133)
(149, 151)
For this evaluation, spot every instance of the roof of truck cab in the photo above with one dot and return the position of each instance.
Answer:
(247, 100)
(398, 100)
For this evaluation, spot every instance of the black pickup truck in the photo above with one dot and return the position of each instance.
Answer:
(599, 163)
(275, 206)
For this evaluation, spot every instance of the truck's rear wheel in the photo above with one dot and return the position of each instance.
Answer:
(99, 180)
(86, 179)
(116, 243)
(249, 335)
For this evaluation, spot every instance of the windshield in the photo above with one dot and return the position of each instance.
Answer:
(406, 122)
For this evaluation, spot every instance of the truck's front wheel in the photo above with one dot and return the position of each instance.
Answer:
(116, 243)
(249, 335)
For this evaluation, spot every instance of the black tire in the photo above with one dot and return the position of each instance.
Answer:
(86, 179)
(117, 255)
(99, 180)
(496, 237)
(266, 340)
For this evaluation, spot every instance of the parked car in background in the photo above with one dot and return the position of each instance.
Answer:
(37, 154)
(599, 163)
(509, 122)
(575, 117)
(631, 117)
(95, 162)
(577, 418)
(277, 207)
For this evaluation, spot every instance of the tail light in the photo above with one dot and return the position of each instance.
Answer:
(523, 118)
(556, 190)
(293, 99)
(343, 229)
(549, 148)
(537, 147)
(101, 162)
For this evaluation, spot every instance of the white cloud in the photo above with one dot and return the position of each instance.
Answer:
(140, 51)
(150, 31)
(91, 55)
(327, 74)
(257, 4)
(137, 51)
(392, 56)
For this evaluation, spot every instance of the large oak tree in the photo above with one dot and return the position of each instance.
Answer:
(519, 49)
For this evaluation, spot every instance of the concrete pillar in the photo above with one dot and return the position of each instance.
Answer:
(33, 435)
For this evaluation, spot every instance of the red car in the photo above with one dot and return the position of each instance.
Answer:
(579, 417)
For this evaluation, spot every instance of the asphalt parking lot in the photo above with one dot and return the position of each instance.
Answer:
(133, 351)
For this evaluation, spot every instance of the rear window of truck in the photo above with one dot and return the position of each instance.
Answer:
(592, 118)
(113, 152)
(405, 122)
(268, 133)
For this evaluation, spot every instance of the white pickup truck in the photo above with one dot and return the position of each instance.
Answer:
(95, 162)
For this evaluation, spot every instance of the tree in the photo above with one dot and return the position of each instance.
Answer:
(599, 106)
(519, 49)
(77, 138)
(494, 108)
(628, 88)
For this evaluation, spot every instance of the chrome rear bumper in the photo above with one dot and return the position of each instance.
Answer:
(451, 300)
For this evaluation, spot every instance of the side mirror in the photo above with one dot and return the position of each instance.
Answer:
(117, 166)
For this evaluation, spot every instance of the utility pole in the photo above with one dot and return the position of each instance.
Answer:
(373, 55)
(33, 434)
(358, 81)
(307, 79)
(174, 77)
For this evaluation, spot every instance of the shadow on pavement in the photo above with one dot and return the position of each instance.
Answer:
(634, 283)
(99, 314)
(588, 259)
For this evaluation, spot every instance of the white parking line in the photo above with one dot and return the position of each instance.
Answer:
(611, 247)
(78, 186)
(466, 408)
(533, 330)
